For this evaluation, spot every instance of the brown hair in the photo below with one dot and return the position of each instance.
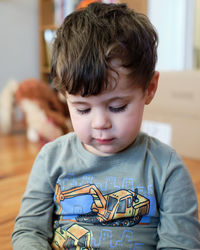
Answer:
(90, 38)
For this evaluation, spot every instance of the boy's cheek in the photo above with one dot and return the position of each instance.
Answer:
(79, 127)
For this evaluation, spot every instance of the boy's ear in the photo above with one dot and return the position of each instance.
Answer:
(152, 87)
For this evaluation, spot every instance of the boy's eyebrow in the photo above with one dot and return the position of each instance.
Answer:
(78, 102)
(118, 98)
(109, 100)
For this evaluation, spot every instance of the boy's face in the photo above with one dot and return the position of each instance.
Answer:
(109, 122)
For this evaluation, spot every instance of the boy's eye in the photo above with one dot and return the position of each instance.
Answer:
(83, 111)
(118, 109)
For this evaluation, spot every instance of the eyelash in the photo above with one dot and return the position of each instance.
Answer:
(119, 109)
(112, 109)
(83, 111)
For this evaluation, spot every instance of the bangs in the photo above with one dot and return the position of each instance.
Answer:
(88, 78)
(91, 76)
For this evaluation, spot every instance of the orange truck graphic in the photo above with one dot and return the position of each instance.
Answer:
(75, 237)
(120, 208)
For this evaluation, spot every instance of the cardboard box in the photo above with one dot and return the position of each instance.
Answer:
(177, 104)
(137, 5)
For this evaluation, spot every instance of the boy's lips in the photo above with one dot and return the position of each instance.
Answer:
(104, 141)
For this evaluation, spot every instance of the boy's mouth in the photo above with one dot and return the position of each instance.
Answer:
(104, 141)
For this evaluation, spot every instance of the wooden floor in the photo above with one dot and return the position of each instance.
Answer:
(16, 158)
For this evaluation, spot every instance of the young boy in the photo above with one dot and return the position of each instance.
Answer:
(107, 185)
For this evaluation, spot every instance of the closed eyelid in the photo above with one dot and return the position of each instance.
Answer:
(82, 111)
(118, 109)
(118, 103)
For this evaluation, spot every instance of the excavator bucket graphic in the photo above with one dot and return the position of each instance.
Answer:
(120, 208)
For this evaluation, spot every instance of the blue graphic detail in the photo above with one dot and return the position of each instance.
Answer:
(152, 210)
(106, 235)
(128, 183)
(138, 246)
(77, 205)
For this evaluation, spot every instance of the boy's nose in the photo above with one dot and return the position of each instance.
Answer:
(101, 122)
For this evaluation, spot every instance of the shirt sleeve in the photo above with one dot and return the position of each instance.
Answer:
(179, 227)
(33, 227)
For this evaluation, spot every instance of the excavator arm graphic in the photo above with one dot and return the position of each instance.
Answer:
(91, 189)
(123, 207)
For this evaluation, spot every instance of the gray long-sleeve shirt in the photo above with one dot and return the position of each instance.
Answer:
(141, 198)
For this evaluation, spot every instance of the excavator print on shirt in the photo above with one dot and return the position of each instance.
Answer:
(74, 237)
(120, 208)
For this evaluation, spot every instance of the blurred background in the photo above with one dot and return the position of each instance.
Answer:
(177, 23)
(28, 28)
(32, 113)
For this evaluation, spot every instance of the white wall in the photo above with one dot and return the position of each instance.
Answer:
(19, 57)
(174, 21)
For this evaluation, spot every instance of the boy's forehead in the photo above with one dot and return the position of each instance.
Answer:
(117, 65)
(120, 77)
(117, 88)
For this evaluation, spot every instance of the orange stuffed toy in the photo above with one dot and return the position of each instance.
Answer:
(47, 117)
(84, 3)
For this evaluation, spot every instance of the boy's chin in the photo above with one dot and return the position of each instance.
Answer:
(100, 151)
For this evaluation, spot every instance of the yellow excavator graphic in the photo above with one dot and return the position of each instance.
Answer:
(75, 237)
(120, 208)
